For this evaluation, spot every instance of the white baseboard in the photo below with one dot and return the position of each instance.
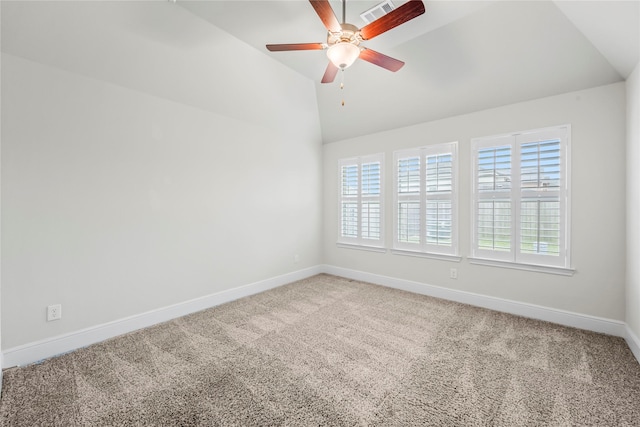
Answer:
(43, 349)
(566, 318)
(36, 351)
(633, 342)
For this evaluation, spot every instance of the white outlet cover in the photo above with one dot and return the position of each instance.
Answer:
(54, 312)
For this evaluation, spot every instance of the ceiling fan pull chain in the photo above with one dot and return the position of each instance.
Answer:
(342, 85)
(343, 39)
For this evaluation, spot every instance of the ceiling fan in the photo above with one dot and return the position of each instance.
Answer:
(343, 39)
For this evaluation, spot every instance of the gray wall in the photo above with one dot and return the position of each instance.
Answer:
(597, 117)
(633, 202)
(116, 202)
(123, 190)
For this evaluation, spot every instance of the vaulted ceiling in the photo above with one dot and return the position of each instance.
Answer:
(461, 56)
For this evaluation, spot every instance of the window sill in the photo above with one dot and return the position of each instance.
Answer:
(361, 247)
(562, 271)
(442, 257)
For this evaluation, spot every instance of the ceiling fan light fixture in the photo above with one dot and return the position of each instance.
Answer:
(343, 54)
(343, 39)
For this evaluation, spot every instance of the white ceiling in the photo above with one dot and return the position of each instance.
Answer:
(461, 56)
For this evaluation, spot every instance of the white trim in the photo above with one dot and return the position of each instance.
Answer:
(420, 254)
(517, 195)
(562, 317)
(423, 197)
(633, 342)
(361, 247)
(49, 347)
(360, 198)
(526, 267)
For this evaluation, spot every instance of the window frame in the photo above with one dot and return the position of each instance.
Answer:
(517, 194)
(423, 248)
(360, 242)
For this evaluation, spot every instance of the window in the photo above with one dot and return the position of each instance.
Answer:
(425, 211)
(521, 197)
(361, 201)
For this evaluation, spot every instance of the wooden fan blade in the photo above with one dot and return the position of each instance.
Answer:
(330, 73)
(295, 46)
(398, 16)
(381, 60)
(325, 12)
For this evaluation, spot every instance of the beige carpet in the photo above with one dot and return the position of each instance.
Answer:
(330, 351)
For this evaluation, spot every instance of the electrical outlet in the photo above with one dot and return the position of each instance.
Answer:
(296, 258)
(453, 273)
(54, 312)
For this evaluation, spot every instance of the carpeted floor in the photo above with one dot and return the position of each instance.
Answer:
(330, 351)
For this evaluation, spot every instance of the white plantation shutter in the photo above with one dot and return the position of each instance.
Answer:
(543, 197)
(361, 201)
(425, 199)
(521, 191)
(408, 222)
(494, 225)
(540, 227)
(349, 202)
(493, 204)
(408, 199)
(540, 165)
(370, 193)
(439, 207)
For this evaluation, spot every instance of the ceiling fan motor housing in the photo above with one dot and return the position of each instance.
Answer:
(343, 39)
(349, 34)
